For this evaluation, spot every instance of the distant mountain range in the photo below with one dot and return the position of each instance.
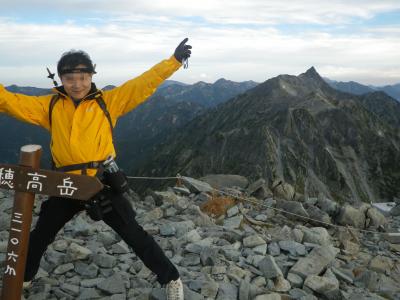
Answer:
(169, 109)
(295, 128)
(28, 90)
(140, 130)
(360, 89)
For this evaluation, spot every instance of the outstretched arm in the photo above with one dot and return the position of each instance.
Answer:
(135, 91)
(29, 109)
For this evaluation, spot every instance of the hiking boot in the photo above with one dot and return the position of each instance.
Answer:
(175, 290)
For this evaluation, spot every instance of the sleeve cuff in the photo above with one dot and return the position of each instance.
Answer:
(173, 58)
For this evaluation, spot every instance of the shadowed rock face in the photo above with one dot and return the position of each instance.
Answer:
(299, 129)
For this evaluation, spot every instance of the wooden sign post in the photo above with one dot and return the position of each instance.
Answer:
(27, 180)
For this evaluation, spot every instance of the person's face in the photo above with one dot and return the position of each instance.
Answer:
(77, 85)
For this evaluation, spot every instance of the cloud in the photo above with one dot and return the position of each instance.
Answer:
(219, 12)
(236, 40)
(365, 75)
(387, 30)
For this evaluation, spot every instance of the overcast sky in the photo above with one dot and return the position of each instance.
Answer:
(234, 39)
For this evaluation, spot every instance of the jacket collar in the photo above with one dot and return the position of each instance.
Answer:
(91, 95)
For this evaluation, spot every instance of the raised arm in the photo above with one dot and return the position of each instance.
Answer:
(31, 109)
(129, 95)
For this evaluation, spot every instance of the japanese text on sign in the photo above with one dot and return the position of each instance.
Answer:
(67, 189)
(7, 177)
(11, 258)
(35, 183)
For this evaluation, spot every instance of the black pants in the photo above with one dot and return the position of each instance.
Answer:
(56, 212)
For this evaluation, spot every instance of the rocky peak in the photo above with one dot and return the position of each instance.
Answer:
(313, 79)
(201, 84)
(300, 86)
(221, 81)
(311, 73)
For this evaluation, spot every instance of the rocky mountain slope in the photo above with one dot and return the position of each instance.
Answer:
(169, 109)
(225, 248)
(299, 129)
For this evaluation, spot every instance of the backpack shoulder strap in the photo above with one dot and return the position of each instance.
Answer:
(53, 102)
(99, 100)
(103, 106)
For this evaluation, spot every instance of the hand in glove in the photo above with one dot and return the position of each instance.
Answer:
(182, 52)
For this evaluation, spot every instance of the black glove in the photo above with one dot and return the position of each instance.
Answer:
(182, 52)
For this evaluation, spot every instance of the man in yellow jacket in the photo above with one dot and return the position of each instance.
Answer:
(80, 119)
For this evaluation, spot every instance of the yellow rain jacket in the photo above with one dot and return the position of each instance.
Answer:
(82, 134)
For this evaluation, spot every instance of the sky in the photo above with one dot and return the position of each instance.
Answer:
(237, 40)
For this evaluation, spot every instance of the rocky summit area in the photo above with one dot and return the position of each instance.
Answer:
(229, 240)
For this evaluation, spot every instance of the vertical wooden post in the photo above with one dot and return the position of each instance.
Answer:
(18, 240)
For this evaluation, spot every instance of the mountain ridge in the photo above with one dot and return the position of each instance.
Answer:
(282, 125)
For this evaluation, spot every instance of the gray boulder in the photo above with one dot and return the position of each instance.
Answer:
(227, 291)
(209, 289)
(273, 296)
(295, 280)
(316, 235)
(381, 264)
(292, 207)
(318, 215)
(77, 252)
(104, 260)
(253, 241)
(283, 190)
(259, 189)
(62, 269)
(322, 285)
(220, 181)
(269, 267)
(196, 186)
(293, 248)
(328, 206)
(315, 262)
(112, 285)
(4, 221)
(234, 222)
(395, 211)
(375, 218)
(351, 216)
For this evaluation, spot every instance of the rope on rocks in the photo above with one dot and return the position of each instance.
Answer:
(297, 215)
(249, 200)
(155, 178)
